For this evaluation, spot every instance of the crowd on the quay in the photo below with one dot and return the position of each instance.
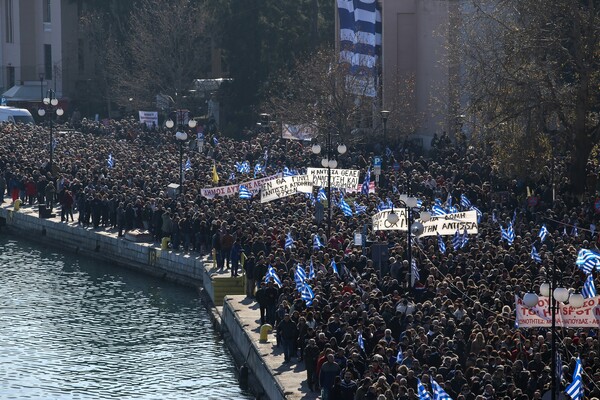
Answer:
(368, 332)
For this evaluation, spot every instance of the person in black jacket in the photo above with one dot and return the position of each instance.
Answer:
(287, 332)
(261, 299)
(249, 267)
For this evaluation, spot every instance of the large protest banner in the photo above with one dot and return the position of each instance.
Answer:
(587, 316)
(340, 178)
(298, 132)
(230, 190)
(381, 223)
(358, 188)
(444, 224)
(448, 224)
(279, 188)
(150, 118)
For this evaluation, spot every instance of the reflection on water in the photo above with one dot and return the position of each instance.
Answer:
(79, 329)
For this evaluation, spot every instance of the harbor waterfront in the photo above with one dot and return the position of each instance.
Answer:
(73, 327)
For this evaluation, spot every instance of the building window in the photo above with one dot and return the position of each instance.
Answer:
(80, 55)
(46, 11)
(48, 61)
(9, 21)
(10, 76)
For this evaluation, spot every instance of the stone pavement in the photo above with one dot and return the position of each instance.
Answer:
(292, 376)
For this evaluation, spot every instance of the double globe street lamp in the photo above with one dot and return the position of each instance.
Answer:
(414, 227)
(181, 137)
(329, 162)
(50, 107)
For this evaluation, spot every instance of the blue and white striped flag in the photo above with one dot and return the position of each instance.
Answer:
(289, 242)
(587, 260)
(231, 177)
(441, 244)
(389, 203)
(535, 256)
(258, 168)
(508, 234)
(288, 172)
(271, 274)
(311, 271)
(299, 277)
(543, 233)
(345, 208)
(451, 209)
(334, 268)
(449, 200)
(422, 392)
(359, 209)
(438, 392)
(242, 168)
(456, 240)
(307, 294)
(215, 140)
(188, 165)
(437, 210)
(464, 201)
(464, 239)
(494, 219)
(110, 161)
(575, 389)
(478, 212)
(364, 189)
(317, 244)
(589, 289)
(361, 342)
(245, 193)
(575, 231)
(321, 195)
(399, 356)
(419, 203)
(415, 272)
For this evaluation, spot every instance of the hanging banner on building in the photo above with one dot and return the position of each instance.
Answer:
(279, 188)
(150, 118)
(298, 132)
(587, 316)
(447, 225)
(230, 190)
(381, 223)
(340, 178)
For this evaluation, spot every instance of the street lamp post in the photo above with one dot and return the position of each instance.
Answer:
(556, 294)
(50, 102)
(384, 117)
(41, 76)
(180, 136)
(413, 227)
(329, 162)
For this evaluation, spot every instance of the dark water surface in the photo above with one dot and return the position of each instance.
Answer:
(73, 328)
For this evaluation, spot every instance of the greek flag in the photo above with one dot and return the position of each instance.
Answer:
(478, 212)
(317, 244)
(464, 201)
(399, 356)
(231, 176)
(271, 274)
(311, 271)
(587, 260)
(574, 231)
(110, 161)
(415, 272)
(449, 200)
(441, 244)
(543, 233)
(589, 289)
(360, 44)
(419, 203)
(215, 140)
(289, 242)
(494, 219)
(361, 342)
(456, 240)
(345, 208)
(464, 239)
(423, 393)
(188, 165)
(307, 294)
(287, 172)
(575, 389)
(321, 195)
(388, 203)
(299, 277)
(535, 256)
(508, 234)
(245, 193)
(334, 267)
(243, 168)
(258, 168)
(437, 210)
(438, 392)
(358, 209)
(365, 186)
(514, 217)
(451, 209)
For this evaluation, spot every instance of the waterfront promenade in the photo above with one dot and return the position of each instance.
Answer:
(286, 379)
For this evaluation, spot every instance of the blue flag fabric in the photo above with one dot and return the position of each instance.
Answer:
(311, 272)
(361, 341)
(345, 208)
(399, 356)
(317, 244)
(215, 140)
(437, 210)
(508, 234)
(289, 242)
(589, 289)
(438, 392)
(441, 243)
(110, 161)
(575, 389)
(359, 209)
(587, 260)
(365, 186)
(422, 392)
(456, 240)
(245, 193)
(271, 274)
(188, 165)
(334, 267)
(543, 233)
(300, 277)
(321, 195)
(307, 294)
(535, 256)
(464, 201)
(478, 212)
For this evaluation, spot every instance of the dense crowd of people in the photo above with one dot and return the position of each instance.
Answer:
(369, 332)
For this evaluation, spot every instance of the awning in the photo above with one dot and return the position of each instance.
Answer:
(23, 93)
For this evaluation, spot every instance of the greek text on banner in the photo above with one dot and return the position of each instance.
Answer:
(253, 186)
(587, 316)
(282, 187)
(340, 178)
